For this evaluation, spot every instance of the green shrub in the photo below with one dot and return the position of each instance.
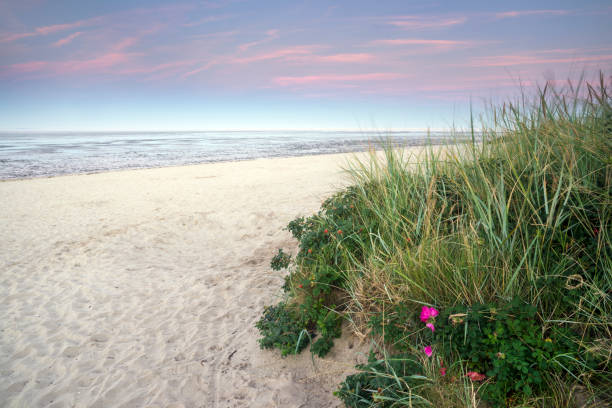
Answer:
(329, 328)
(394, 381)
(509, 345)
(394, 326)
(280, 261)
(296, 227)
(281, 329)
(324, 238)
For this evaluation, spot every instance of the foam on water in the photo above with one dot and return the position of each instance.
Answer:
(25, 155)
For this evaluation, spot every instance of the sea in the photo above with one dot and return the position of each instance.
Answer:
(46, 154)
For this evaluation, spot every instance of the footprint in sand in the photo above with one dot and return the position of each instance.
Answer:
(71, 351)
(100, 338)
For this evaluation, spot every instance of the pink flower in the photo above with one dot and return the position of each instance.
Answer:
(427, 351)
(474, 376)
(428, 313)
(442, 371)
(431, 326)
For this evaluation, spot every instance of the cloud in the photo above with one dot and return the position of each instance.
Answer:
(511, 60)
(281, 53)
(421, 46)
(199, 69)
(309, 79)
(421, 23)
(67, 39)
(219, 4)
(97, 64)
(125, 43)
(300, 54)
(5, 38)
(25, 67)
(104, 20)
(270, 35)
(149, 69)
(60, 27)
(414, 41)
(205, 20)
(94, 64)
(50, 29)
(339, 58)
(463, 83)
(521, 13)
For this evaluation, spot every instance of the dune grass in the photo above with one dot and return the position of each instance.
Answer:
(513, 227)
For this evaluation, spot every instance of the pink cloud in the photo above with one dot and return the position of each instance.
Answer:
(413, 41)
(246, 46)
(420, 23)
(521, 13)
(217, 4)
(92, 65)
(50, 29)
(341, 58)
(28, 66)
(308, 79)
(60, 27)
(200, 69)
(14, 37)
(469, 83)
(125, 43)
(270, 35)
(219, 34)
(149, 69)
(509, 60)
(417, 46)
(98, 20)
(282, 53)
(209, 19)
(302, 54)
(67, 39)
(278, 54)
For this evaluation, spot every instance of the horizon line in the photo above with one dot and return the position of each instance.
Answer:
(404, 130)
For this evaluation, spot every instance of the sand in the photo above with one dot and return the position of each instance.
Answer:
(141, 288)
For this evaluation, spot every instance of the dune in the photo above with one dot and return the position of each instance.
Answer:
(141, 288)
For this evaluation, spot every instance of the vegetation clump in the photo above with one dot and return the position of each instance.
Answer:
(383, 382)
(504, 247)
(509, 346)
(280, 329)
(280, 261)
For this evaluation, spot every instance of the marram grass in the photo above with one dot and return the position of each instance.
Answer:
(523, 214)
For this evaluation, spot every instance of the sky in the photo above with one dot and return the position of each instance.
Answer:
(272, 65)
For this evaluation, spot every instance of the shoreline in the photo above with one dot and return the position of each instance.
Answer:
(376, 145)
(120, 170)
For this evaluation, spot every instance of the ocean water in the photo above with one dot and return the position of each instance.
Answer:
(27, 155)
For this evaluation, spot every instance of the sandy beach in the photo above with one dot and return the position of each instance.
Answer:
(141, 288)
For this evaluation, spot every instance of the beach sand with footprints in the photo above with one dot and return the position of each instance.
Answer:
(142, 287)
